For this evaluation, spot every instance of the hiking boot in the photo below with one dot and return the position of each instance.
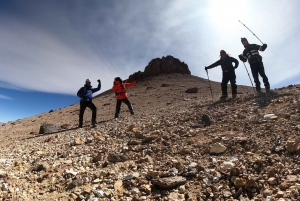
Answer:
(234, 95)
(80, 126)
(268, 91)
(132, 113)
(223, 97)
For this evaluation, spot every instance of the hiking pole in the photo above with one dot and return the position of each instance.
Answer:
(210, 86)
(249, 77)
(251, 32)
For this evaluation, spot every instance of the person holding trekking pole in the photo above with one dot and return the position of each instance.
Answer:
(86, 95)
(120, 89)
(228, 73)
(251, 54)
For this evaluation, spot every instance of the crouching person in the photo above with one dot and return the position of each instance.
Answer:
(120, 89)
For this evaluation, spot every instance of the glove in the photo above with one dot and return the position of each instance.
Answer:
(98, 80)
(242, 58)
(264, 47)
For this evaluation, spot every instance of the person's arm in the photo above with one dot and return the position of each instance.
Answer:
(217, 63)
(263, 47)
(130, 84)
(243, 57)
(98, 88)
(236, 62)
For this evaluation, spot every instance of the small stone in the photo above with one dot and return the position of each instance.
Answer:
(154, 174)
(217, 148)
(292, 145)
(116, 158)
(272, 180)
(280, 194)
(227, 194)
(240, 182)
(192, 165)
(118, 186)
(146, 188)
(228, 165)
(267, 192)
(78, 141)
(131, 127)
(131, 176)
(176, 197)
(100, 194)
(135, 191)
(4, 187)
(96, 181)
(291, 178)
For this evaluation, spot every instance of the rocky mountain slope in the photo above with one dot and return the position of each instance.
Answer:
(178, 146)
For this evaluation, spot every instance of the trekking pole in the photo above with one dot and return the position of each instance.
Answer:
(251, 32)
(249, 77)
(210, 86)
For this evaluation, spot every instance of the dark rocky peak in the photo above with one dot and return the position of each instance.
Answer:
(164, 65)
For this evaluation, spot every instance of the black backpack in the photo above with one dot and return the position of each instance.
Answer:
(80, 92)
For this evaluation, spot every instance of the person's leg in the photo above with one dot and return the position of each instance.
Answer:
(118, 107)
(232, 80)
(94, 112)
(127, 102)
(254, 70)
(224, 82)
(82, 109)
(261, 71)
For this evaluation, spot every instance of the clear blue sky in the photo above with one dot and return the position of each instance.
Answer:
(49, 48)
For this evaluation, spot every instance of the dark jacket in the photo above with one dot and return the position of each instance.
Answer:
(226, 64)
(251, 53)
(86, 92)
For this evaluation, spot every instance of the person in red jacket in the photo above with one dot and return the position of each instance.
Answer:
(120, 89)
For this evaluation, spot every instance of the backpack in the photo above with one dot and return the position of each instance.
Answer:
(80, 92)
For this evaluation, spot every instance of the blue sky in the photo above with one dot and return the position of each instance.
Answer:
(49, 48)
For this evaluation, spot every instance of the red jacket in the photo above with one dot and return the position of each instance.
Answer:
(120, 89)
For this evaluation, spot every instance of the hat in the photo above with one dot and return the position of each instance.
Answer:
(222, 51)
(244, 39)
(87, 80)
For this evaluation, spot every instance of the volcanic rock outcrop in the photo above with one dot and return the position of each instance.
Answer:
(159, 66)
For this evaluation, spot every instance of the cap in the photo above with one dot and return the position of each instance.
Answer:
(244, 39)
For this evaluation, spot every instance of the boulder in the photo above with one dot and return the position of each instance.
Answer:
(49, 128)
(169, 182)
(192, 90)
(116, 158)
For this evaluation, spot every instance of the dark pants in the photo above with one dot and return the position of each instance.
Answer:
(83, 106)
(258, 69)
(228, 76)
(118, 107)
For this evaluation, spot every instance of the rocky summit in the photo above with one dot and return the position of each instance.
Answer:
(177, 146)
(158, 66)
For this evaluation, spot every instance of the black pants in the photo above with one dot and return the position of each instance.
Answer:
(118, 107)
(258, 69)
(83, 106)
(228, 76)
